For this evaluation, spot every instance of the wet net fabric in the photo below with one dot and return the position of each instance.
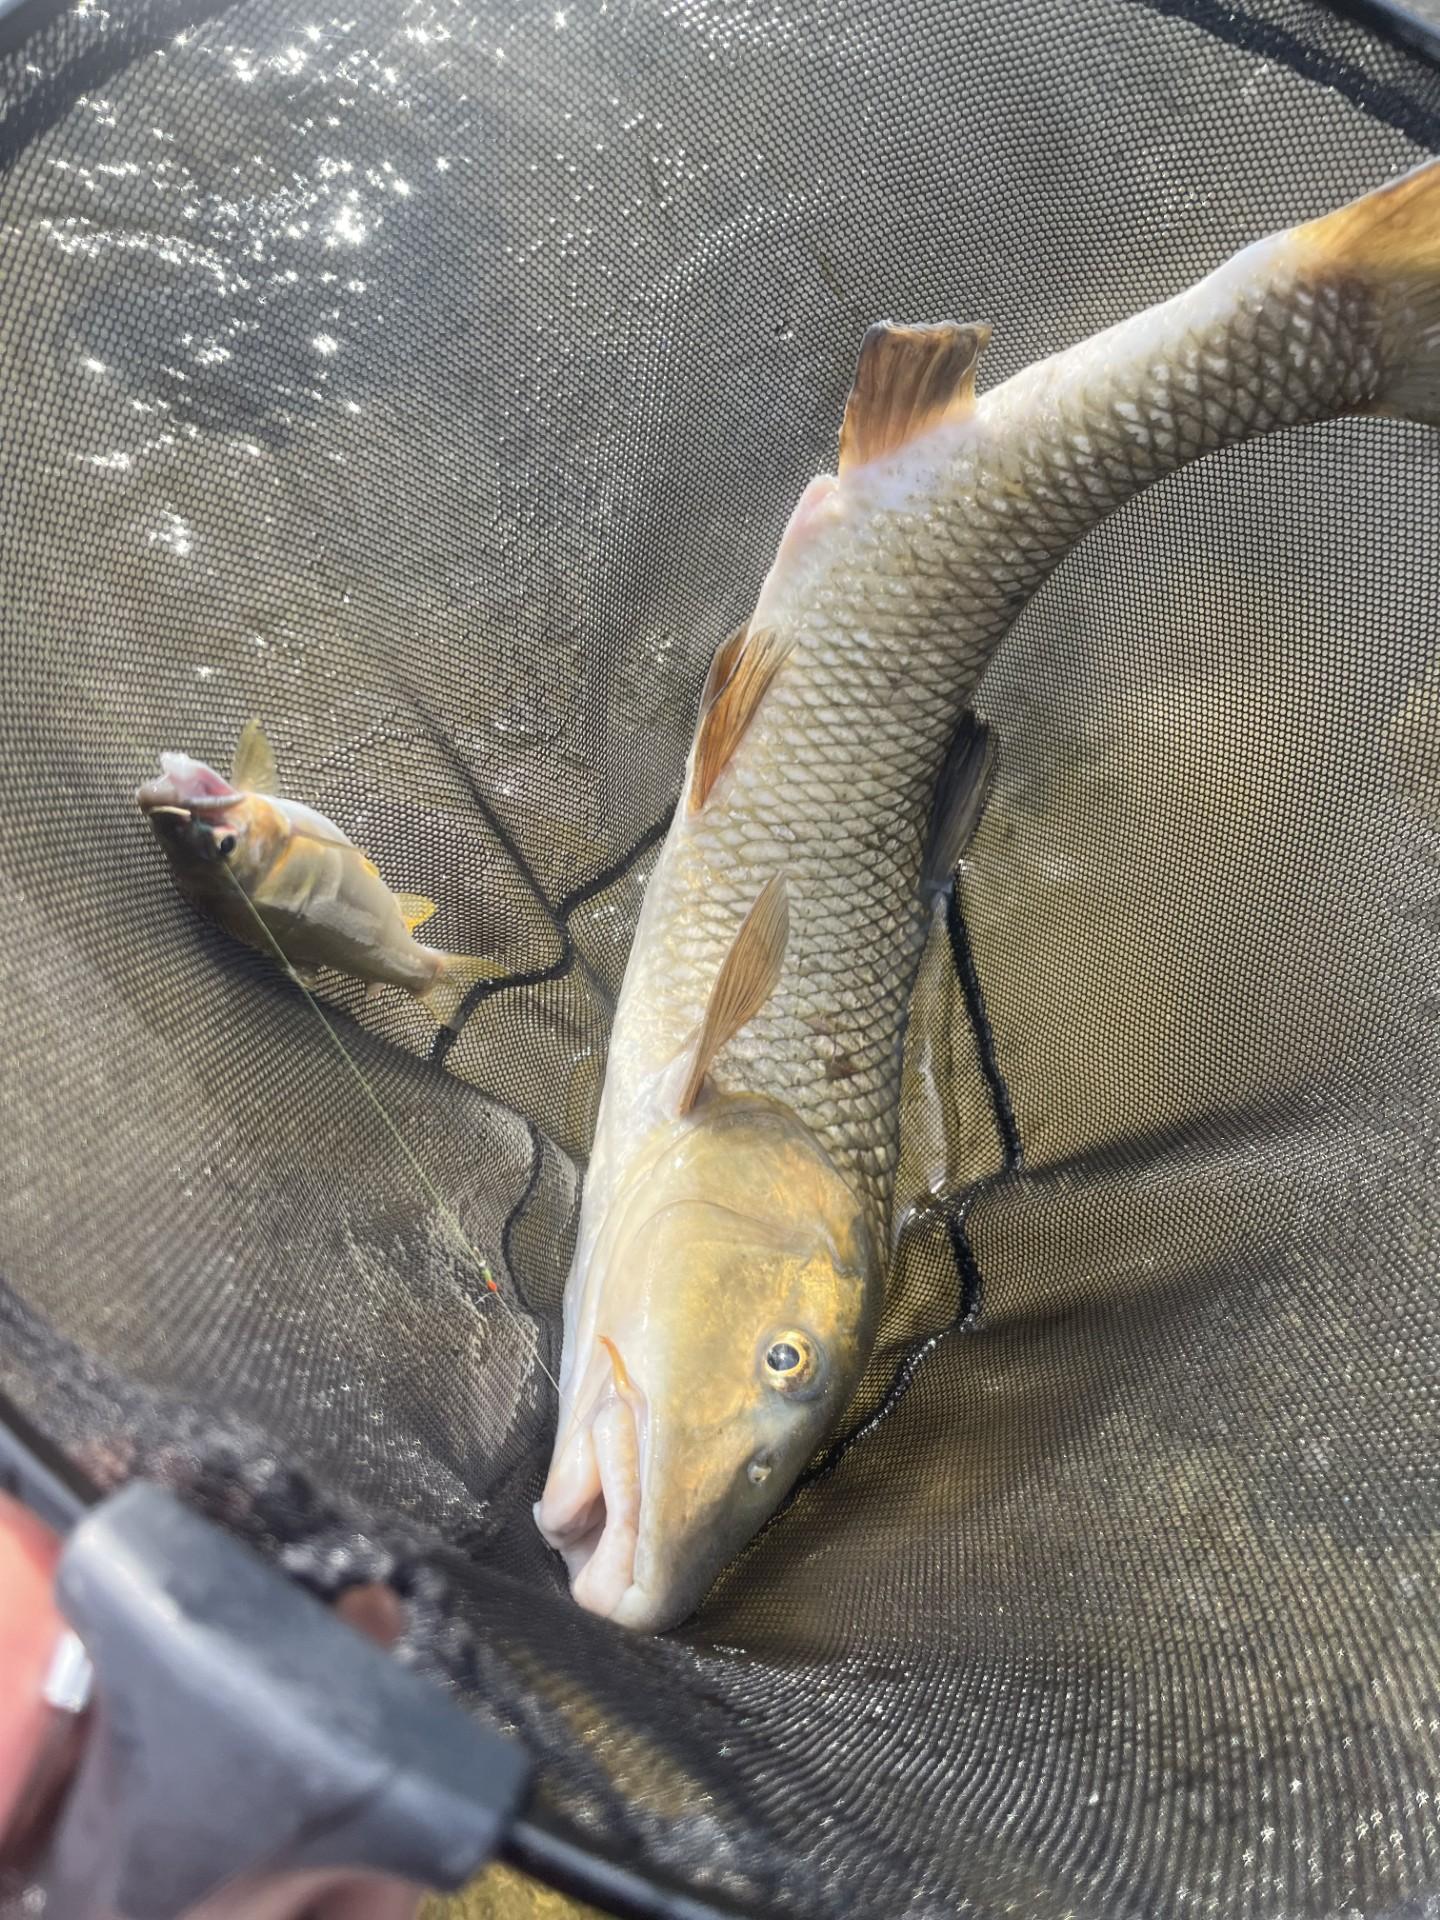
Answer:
(434, 383)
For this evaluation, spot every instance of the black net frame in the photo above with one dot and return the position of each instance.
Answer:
(436, 384)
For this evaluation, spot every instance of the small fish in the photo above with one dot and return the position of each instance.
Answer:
(737, 1210)
(238, 851)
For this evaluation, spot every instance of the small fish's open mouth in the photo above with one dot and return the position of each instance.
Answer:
(164, 797)
(188, 784)
(160, 795)
(590, 1509)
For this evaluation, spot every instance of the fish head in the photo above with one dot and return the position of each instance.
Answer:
(205, 824)
(734, 1316)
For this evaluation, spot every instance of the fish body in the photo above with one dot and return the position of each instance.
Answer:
(736, 1216)
(279, 875)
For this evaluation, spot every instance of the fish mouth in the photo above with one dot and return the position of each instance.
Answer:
(161, 795)
(590, 1509)
(184, 786)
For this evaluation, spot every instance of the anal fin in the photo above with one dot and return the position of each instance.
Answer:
(748, 976)
(415, 908)
(444, 999)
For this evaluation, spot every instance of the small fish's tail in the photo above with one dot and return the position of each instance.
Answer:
(1387, 247)
(457, 974)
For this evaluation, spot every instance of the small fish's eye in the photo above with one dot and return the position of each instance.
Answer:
(758, 1471)
(226, 846)
(792, 1362)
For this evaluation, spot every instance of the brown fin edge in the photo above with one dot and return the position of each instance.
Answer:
(740, 676)
(1389, 241)
(908, 381)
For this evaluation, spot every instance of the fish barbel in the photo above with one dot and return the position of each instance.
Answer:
(281, 877)
(732, 1239)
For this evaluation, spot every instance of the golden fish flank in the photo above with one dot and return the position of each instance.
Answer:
(737, 1209)
(275, 871)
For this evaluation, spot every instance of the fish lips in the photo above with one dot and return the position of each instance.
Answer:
(194, 830)
(592, 1508)
(187, 803)
(644, 1538)
(188, 785)
(161, 796)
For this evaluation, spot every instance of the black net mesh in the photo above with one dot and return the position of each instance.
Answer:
(435, 381)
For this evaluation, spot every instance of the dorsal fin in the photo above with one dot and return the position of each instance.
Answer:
(254, 767)
(909, 380)
(960, 796)
(739, 677)
(746, 980)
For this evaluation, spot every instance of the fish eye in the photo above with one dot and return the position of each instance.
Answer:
(758, 1471)
(792, 1362)
(225, 846)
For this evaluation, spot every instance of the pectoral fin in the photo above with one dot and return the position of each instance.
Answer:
(748, 976)
(253, 770)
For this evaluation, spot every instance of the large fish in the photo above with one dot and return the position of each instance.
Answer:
(736, 1217)
(278, 875)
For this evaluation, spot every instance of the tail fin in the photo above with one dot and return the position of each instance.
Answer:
(1389, 242)
(459, 972)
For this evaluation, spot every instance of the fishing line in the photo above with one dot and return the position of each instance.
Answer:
(447, 1215)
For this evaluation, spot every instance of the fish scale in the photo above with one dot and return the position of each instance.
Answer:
(958, 560)
(826, 732)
